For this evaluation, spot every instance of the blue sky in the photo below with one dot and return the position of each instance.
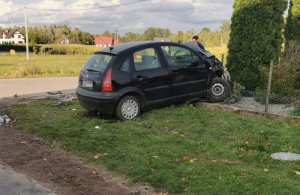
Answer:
(172, 14)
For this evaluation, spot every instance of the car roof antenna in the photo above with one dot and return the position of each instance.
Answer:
(111, 48)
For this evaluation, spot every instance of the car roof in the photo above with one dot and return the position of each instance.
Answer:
(131, 45)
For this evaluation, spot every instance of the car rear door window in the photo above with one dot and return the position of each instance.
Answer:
(178, 56)
(98, 63)
(146, 59)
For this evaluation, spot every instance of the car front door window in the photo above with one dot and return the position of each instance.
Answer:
(178, 56)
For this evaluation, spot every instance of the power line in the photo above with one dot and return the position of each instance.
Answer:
(11, 12)
(84, 9)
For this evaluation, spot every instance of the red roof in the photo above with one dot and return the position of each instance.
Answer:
(103, 40)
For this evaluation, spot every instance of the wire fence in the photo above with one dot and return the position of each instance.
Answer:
(257, 101)
(282, 92)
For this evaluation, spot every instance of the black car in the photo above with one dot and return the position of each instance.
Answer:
(129, 78)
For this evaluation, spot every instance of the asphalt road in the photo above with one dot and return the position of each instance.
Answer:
(25, 86)
(12, 183)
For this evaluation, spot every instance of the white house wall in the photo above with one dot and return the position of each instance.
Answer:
(16, 38)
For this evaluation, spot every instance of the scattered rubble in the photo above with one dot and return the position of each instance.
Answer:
(4, 120)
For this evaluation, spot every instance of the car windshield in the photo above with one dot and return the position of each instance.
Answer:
(195, 47)
(98, 63)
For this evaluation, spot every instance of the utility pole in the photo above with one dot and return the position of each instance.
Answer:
(26, 32)
(117, 36)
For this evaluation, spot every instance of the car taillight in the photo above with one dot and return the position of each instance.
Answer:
(107, 85)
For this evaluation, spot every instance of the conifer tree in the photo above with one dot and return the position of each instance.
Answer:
(292, 29)
(255, 39)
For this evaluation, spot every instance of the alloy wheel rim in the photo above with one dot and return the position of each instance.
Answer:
(129, 109)
(218, 89)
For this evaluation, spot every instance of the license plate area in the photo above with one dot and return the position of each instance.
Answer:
(87, 84)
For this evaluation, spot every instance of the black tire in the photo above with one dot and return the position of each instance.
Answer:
(219, 90)
(128, 108)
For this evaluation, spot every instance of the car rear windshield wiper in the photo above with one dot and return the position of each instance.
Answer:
(92, 70)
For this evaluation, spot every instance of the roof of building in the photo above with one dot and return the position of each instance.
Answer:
(8, 33)
(63, 38)
(105, 40)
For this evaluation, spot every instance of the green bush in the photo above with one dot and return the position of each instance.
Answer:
(285, 79)
(17, 48)
(292, 29)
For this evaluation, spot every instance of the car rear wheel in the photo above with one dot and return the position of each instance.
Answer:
(128, 108)
(219, 90)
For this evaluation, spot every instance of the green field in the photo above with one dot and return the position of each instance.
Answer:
(178, 149)
(16, 66)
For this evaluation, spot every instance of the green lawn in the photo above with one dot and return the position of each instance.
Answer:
(16, 66)
(179, 149)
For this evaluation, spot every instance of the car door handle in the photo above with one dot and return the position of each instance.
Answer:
(139, 78)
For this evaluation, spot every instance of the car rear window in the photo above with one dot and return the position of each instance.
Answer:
(98, 63)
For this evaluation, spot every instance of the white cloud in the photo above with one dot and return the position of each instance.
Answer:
(173, 14)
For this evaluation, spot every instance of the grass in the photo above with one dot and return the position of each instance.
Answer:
(182, 150)
(297, 111)
(16, 66)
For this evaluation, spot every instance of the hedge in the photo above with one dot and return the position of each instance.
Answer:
(68, 49)
(17, 48)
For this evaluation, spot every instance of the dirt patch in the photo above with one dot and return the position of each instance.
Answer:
(59, 170)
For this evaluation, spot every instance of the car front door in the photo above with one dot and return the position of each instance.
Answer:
(150, 75)
(187, 70)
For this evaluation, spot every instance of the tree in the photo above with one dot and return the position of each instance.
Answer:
(224, 32)
(255, 39)
(149, 34)
(292, 29)
(106, 33)
(130, 36)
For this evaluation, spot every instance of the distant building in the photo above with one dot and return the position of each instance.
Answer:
(104, 41)
(63, 40)
(12, 36)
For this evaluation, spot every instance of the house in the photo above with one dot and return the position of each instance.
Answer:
(63, 40)
(104, 41)
(11, 36)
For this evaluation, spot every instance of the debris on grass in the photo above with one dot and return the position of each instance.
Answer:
(4, 120)
(286, 156)
(54, 93)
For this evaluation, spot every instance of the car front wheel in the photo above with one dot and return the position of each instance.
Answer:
(219, 90)
(128, 108)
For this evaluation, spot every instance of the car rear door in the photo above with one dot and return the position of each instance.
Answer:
(150, 74)
(188, 72)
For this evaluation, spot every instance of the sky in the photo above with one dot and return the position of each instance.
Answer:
(173, 14)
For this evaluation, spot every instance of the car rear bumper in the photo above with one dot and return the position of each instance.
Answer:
(100, 102)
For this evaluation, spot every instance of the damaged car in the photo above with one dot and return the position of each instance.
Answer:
(126, 79)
